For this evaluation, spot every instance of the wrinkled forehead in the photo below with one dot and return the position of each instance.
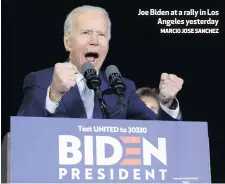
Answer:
(93, 20)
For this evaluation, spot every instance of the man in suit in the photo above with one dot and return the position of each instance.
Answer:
(61, 91)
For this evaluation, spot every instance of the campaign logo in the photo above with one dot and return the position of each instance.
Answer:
(111, 158)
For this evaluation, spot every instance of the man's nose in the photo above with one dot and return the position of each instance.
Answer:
(94, 40)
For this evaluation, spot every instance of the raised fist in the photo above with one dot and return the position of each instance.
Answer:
(63, 79)
(169, 86)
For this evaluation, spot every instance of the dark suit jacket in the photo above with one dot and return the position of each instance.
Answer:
(71, 105)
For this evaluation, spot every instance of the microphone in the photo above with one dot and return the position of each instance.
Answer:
(92, 79)
(115, 79)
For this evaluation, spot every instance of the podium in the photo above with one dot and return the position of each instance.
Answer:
(66, 150)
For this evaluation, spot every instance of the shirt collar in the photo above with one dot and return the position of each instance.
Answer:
(80, 77)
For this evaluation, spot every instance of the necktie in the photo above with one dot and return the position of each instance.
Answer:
(87, 96)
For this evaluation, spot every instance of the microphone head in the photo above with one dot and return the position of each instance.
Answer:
(93, 81)
(115, 79)
(87, 67)
(112, 70)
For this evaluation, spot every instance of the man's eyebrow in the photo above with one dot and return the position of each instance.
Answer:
(89, 30)
(100, 32)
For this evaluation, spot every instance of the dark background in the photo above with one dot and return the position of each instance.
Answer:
(32, 39)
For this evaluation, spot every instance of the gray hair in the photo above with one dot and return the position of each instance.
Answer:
(69, 19)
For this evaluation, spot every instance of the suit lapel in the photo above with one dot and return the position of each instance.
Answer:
(74, 104)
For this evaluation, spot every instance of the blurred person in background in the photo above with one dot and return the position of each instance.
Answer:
(150, 96)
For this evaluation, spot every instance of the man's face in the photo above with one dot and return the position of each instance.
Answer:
(151, 103)
(88, 41)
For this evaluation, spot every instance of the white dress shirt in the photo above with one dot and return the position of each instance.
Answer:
(52, 106)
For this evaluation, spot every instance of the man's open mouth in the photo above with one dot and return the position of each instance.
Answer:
(91, 56)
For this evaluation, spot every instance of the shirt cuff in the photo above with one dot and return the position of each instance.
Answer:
(50, 106)
(175, 113)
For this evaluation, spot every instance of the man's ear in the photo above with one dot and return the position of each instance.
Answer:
(67, 42)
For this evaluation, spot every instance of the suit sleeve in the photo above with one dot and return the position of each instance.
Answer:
(138, 110)
(34, 100)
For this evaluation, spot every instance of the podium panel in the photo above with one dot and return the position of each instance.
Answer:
(64, 150)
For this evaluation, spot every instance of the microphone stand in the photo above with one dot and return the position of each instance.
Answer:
(110, 91)
(102, 104)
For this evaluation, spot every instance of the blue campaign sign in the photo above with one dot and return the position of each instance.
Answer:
(64, 150)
